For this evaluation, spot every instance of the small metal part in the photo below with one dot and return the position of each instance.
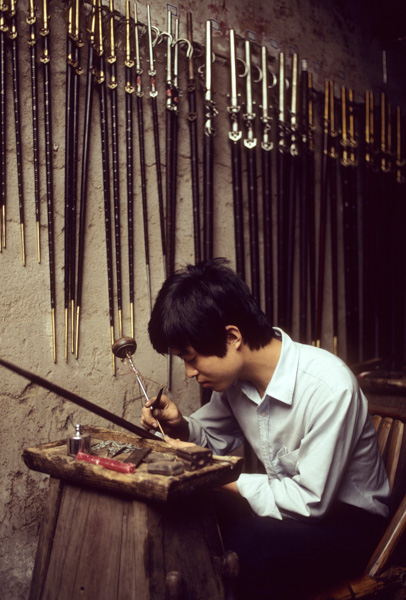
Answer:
(80, 442)
(194, 457)
(113, 448)
(137, 456)
(160, 457)
(166, 468)
(124, 347)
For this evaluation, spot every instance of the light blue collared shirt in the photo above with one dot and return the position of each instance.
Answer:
(311, 431)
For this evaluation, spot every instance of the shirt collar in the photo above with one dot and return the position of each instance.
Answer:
(282, 384)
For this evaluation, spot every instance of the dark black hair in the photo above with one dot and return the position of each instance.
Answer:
(195, 305)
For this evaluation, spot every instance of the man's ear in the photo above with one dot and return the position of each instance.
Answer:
(234, 336)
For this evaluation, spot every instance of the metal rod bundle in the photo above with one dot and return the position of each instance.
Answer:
(363, 192)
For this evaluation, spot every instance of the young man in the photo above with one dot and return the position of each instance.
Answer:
(319, 506)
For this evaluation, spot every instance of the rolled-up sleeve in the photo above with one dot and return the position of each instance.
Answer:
(214, 426)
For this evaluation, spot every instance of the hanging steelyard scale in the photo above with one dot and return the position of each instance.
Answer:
(124, 348)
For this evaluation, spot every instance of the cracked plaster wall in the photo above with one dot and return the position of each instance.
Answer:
(330, 36)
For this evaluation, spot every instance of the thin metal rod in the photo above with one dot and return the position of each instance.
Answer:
(17, 120)
(45, 59)
(84, 178)
(141, 141)
(32, 42)
(3, 161)
(143, 388)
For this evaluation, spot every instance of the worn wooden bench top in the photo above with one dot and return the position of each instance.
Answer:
(52, 459)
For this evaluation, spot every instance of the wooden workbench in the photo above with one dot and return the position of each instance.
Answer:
(139, 536)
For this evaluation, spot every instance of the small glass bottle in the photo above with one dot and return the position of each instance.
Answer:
(80, 442)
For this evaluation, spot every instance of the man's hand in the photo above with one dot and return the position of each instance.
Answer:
(169, 416)
(178, 444)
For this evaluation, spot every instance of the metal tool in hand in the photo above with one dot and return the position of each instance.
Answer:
(125, 347)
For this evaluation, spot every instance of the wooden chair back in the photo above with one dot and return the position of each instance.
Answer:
(392, 444)
(378, 577)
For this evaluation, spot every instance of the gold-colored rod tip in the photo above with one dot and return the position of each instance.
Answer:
(77, 332)
(4, 226)
(66, 334)
(38, 243)
(120, 323)
(132, 319)
(22, 243)
(112, 353)
(53, 334)
(72, 305)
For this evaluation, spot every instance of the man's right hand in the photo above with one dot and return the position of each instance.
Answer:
(169, 416)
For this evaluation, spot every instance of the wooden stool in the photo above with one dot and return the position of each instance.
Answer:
(111, 536)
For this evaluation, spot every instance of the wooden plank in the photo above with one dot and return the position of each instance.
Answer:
(98, 571)
(376, 419)
(49, 520)
(395, 446)
(385, 410)
(383, 385)
(94, 545)
(356, 588)
(154, 552)
(365, 587)
(389, 541)
(133, 550)
(111, 548)
(185, 547)
(67, 544)
(53, 460)
(383, 434)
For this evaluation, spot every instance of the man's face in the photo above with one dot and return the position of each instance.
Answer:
(212, 371)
